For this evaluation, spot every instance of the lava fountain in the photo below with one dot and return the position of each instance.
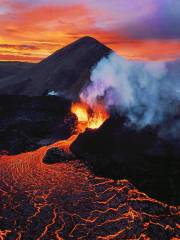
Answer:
(89, 117)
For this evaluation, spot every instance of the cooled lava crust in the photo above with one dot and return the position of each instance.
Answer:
(66, 201)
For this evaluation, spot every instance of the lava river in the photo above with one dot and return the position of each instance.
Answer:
(66, 201)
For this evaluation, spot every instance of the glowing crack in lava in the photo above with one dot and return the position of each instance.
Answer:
(89, 117)
(65, 201)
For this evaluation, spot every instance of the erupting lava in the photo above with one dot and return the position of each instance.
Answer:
(66, 201)
(89, 117)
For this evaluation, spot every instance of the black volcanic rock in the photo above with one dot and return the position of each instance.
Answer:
(66, 71)
(117, 151)
(27, 123)
(56, 155)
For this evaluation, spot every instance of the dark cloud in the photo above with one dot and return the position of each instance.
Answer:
(163, 23)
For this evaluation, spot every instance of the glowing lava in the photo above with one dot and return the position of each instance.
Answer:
(89, 117)
(66, 201)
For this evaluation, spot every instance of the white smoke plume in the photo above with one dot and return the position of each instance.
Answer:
(147, 92)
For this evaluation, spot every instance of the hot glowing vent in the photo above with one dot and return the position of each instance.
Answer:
(89, 117)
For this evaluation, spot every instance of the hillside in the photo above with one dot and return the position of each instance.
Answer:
(12, 68)
(66, 71)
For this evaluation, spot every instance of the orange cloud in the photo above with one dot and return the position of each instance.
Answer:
(12, 57)
(31, 33)
(157, 50)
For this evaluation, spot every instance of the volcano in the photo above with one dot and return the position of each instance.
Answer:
(70, 170)
(65, 72)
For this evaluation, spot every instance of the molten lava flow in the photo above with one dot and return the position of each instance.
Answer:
(89, 117)
(66, 201)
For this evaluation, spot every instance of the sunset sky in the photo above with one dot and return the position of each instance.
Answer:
(30, 30)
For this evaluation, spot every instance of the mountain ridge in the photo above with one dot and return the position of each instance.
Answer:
(65, 72)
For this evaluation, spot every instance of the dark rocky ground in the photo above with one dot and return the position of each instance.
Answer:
(116, 151)
(57, 155)
(28, 123)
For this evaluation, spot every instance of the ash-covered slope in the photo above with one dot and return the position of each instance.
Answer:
(12, 68)
(66, 71)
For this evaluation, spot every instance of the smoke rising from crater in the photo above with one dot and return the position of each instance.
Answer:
(147, 92)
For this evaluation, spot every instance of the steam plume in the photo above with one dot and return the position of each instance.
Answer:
(147, 92)
(53, 93)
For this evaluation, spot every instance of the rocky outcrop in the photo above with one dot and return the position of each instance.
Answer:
(119, 152)
(57, 155)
